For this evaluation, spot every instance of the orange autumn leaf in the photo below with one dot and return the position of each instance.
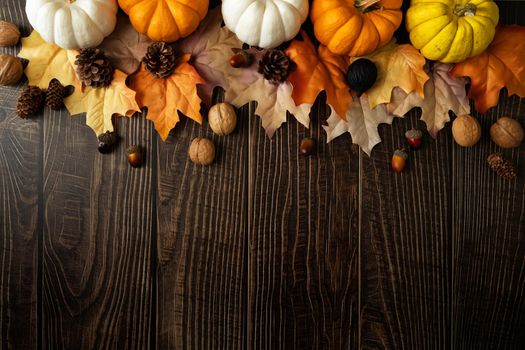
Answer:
(501, 65)
(166, 97)
(317, 71)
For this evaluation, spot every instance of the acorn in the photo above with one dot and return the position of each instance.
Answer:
(399, 160)
(361, 75)
(307, 146)
(134, 156)
(107, 142)
(414, 138)
(241, 59)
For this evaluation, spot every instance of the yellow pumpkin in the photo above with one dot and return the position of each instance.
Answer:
(355, 27)
(165, 20)
(450, 31)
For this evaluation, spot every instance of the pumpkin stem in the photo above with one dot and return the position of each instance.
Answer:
(467, 10)
(367, 5)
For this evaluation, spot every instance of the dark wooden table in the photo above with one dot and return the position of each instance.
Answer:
(263, 250)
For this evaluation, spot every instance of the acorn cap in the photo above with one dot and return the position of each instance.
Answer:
(401, 153)
(414, 134)
(133, 149)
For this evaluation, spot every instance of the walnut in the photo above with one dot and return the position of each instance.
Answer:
(11, 70)
(202, 151)
(9, 34)
(507, 133)
(222, 119)
(466, 130)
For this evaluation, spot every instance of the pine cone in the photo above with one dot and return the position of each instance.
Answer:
(275, 66)
(30, 102)
(56, 92)
(160, 60)
(502, 167)
(93, 68)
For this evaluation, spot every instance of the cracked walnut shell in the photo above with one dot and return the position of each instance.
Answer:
(202, 151)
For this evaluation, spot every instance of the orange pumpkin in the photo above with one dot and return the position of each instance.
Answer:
(355, 27)
(165, 20)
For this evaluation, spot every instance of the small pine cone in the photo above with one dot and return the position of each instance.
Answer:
(56, 92)
(160, 60)
(93, 68)
(502, 167)
(275, 66)
(30, 102)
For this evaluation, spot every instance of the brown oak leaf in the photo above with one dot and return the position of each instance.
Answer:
(125, 47)
(361, 122)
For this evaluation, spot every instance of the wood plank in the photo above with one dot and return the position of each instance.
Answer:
(303, 232)
(97, 237)
(202, 233)
(489, 244)
(405, 243)
(488, 307)
(20, 172)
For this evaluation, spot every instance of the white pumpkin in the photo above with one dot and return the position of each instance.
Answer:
(73, 24)
(264, 23)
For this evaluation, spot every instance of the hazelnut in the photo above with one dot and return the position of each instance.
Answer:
(202, 151)
(11, 70)
(507, 133)
(222, 119)
(9, 34)
(466, 130)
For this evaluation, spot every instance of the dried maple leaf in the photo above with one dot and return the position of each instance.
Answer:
(501, 65)
(273, 100)
(101, 104)
(48, 61)
(443, 93)
(397, 66)
(166, 97)
(211, 47)
(318, 70)
(361, 122)
(125, 47)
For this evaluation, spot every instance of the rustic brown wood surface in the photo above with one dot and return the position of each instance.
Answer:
(265, 249)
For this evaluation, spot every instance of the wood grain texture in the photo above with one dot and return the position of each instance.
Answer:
(202, 233)
(20, 164)
(405, 243)
(96, 283)
(303, 230)
(489, 243)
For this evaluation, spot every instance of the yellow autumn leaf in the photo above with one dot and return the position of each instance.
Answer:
(102, 103)
(48, 61)
(397, 66)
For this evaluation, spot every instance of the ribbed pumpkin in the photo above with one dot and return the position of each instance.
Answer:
(355, 27)
(452, 30)
(165, 20)
(73, 24)
(264, 23)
